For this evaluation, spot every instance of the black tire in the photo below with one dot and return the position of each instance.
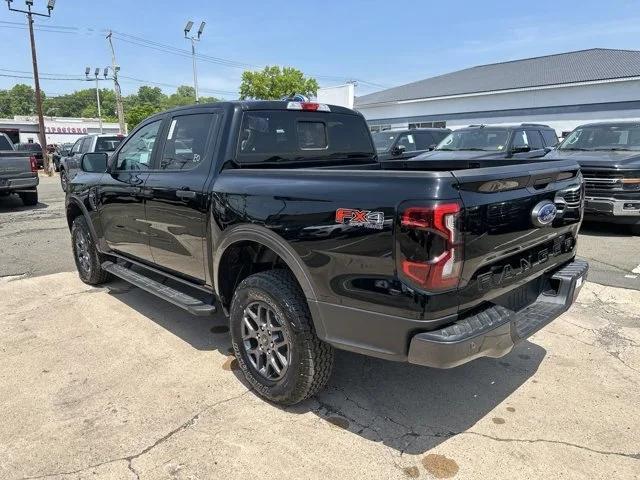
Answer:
(29, 198)
(64, 180)
(635, 230)
(311, 360)
(88, 259)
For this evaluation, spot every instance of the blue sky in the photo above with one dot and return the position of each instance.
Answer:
(381, 43)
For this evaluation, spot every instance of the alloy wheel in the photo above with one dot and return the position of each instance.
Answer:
(265, 341)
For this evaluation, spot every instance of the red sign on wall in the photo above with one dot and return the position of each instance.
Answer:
(71, 130)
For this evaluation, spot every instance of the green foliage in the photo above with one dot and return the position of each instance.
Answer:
(273, 83)
(20, 100)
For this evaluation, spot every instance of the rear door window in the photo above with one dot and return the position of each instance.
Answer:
(273, 136)
(86, 145)
(535, 140)
(186, 142)
(550, 138)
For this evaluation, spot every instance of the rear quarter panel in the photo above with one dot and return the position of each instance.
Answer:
(348, 265)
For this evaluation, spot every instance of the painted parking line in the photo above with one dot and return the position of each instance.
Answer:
(636, 270)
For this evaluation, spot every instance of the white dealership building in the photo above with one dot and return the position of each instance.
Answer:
(562, 90)
(57, 129)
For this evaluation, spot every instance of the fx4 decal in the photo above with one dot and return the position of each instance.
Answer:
(360, 218)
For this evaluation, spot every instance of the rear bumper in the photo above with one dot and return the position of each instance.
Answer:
(598, 207)
(13, 184)
(494, 331)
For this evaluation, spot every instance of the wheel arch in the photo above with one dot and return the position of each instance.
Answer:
(76, 208)
(242, 236)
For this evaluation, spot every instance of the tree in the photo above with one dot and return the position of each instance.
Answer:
(22, 99)
(273, 83)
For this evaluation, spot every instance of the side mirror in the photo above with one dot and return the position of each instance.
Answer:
(398, 150)
(94, 162)
(520, 149)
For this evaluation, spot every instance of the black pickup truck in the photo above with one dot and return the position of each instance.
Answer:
(476, 145)
(280, 214)
(609, 154)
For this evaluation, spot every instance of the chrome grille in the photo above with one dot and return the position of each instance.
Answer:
(596, 180)
(569, 197)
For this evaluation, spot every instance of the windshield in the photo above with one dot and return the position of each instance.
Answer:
(384, 140)
(275, 136)
(603, 137)
(486, 139)
(107, 144)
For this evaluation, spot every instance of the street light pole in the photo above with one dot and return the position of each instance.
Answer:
(97, 77)
(194, 39)
(36, 78)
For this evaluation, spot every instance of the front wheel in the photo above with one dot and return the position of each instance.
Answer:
(64, 180)
(88, 259)
(273, 339)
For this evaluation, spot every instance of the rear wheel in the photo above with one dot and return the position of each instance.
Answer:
(274, 341)
(635, 229)
(88, 259)
(29, 198)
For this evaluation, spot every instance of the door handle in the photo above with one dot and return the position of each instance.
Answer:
(185, 194)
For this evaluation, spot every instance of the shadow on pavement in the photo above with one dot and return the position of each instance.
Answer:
(12, 203)
(406, 407)
(599, 229)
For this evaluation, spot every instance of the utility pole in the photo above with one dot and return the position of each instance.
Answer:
(36, 79)
(116, 86)
(194, 39)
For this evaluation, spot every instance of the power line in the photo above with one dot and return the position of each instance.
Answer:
(164, 48)
(162, 84)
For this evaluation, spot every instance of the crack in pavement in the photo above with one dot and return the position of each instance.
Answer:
(415, 435)
(633, 456)
(130, 458)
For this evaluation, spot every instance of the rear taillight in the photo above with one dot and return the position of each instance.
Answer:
(34, 163)
(430, 251)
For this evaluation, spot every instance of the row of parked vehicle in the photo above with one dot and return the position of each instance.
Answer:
(608, 153)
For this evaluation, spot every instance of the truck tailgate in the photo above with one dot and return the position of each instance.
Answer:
(14, 163)
(510, 233)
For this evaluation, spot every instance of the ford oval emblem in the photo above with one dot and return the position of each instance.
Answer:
(544, 213)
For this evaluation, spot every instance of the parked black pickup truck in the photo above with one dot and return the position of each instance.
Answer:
(477, 143)
(409, 143)
(18, 172)
(609, 154)
(280, 214)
